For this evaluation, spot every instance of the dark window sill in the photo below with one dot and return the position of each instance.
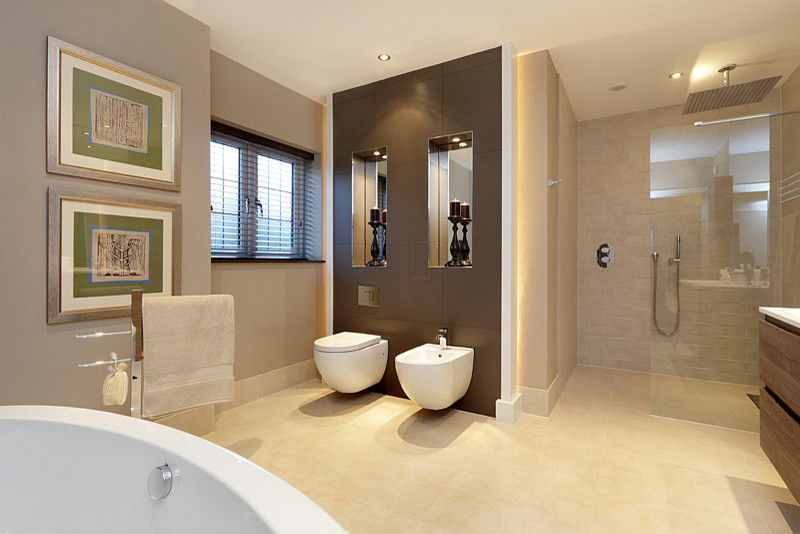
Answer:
(263, 260)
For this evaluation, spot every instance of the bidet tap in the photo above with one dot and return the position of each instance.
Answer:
(441, 337)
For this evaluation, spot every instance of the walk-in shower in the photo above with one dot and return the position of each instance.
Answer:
(713, 195)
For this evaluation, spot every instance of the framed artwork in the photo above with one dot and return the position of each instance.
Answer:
(100, 247)
(108, 121)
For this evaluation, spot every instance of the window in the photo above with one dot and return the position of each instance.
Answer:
(260, 198)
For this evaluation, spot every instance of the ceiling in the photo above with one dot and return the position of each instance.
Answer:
(317, 47)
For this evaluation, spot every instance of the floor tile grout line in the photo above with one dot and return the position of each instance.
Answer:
(557, 431)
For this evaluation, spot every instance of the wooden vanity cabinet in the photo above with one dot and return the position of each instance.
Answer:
(779, 369)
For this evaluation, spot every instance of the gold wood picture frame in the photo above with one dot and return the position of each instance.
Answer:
(107, 121)
(100, 247)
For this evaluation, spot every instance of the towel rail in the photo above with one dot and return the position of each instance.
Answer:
(137, 346)
(102, 334)
(107, 362)
(137, 343)
(137, 339)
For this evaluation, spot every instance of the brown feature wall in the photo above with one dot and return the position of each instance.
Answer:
(402, 113)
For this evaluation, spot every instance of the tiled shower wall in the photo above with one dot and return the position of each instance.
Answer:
(614, 208)
(614, 313)
(718, 334)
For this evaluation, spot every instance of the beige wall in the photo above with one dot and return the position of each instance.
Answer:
(244, 98)
(279, 312)
(279, 306)
(614, 314)
(536, 164)
(567, 274)
(790, 188)
(614, 207)
(38, 363)
(547, 234)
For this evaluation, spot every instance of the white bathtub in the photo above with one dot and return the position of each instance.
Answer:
(75, 470)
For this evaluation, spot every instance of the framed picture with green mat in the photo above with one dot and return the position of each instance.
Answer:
(108, 121)
(100, 247)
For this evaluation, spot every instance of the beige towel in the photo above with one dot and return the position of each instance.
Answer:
(188, 352)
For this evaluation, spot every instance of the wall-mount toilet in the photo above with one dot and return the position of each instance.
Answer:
(351, 362)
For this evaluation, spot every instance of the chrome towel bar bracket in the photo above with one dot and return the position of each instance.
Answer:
(107, 362)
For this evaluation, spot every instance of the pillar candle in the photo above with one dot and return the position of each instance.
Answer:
(465, 211)
(383, 216)
(374, 215)
(455, 208)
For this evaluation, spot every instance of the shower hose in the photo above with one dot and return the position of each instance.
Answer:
(677, 262)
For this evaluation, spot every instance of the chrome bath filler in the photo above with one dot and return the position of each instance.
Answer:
(677, 261)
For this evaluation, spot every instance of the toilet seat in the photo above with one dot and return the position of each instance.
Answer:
(346, 342)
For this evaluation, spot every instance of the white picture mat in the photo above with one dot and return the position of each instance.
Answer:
(68, 209)
(66, 155)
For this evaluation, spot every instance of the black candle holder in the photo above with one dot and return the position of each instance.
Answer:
(455, 245)
(374, 249)
(383, 251)
(464, 252)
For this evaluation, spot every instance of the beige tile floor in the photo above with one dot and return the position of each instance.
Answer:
(599, 463)
(704, 401)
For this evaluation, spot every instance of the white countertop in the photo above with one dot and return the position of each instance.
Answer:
(789, 316)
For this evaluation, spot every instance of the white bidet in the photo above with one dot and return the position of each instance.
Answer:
(433, 377)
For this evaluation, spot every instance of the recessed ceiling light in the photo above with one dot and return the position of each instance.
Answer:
(385, 156)
(618, 87)
(676, 75)
(384, 57)
(376, 153)
(456, 139)
(462, 143)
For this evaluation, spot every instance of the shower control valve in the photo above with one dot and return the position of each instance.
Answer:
(605, 255)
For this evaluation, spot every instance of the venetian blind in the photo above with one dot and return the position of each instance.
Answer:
(260, 197)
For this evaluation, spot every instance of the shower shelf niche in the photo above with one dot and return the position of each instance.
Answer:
(717, 284)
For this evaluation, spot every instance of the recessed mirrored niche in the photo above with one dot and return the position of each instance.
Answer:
(369, 207)
(450, 206)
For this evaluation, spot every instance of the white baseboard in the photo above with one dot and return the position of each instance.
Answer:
(255, 387)
(198, 421)
(508, 411)
(540, 401)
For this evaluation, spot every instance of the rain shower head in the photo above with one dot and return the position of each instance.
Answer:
(729, 94)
